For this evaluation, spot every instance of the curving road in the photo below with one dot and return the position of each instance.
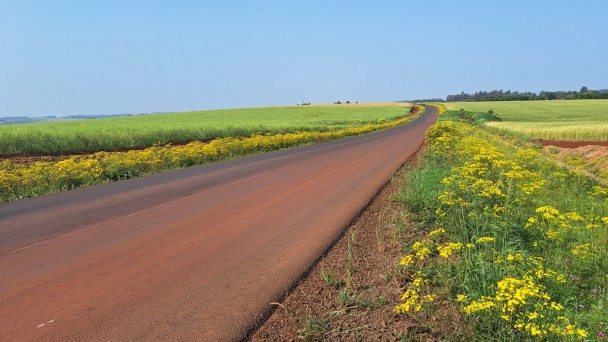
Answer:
(196, 254)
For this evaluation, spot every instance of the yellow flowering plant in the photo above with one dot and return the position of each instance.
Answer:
(524, 249)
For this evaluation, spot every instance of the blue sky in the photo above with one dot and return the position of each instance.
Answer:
(133, 56)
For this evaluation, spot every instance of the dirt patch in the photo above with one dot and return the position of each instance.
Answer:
(29, 160)
(571, 144)
(351, 293)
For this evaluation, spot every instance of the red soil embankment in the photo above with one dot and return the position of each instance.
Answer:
(571, 143)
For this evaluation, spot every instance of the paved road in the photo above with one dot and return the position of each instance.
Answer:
(196, 254)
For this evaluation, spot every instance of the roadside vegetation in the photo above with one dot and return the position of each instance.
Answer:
(140, 131)
(515, 242)
(19, 180)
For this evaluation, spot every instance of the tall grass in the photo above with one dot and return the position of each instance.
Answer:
(120, 133)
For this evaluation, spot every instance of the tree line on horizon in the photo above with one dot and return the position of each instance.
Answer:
(500, 95)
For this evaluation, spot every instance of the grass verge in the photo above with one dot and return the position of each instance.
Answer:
(517, 243)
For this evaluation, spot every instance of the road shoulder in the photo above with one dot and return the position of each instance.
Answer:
(350, 294)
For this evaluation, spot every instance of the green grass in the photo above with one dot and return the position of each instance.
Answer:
(139, 131)
(581, 120)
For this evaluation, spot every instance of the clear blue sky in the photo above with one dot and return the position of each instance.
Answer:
(131, 56)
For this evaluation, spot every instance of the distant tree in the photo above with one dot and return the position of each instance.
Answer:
(584, 89)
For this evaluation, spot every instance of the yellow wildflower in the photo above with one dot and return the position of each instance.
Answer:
(583, 250)
(531, 221)
(486, 239)
(461, 297)
(548, 212)
(552, 234)
(447, 249)
(437, 231)
(407, 260)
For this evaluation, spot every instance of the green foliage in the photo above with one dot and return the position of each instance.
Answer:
(422, 188)
(475, 118)
(315, 329)
(330, 278)
(500, 95)
(519, 244)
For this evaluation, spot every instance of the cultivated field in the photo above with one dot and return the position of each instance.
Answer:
(580, 120)
(121, 133)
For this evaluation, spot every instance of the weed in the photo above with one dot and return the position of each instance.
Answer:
(379, 234)
(345, 298)
(315, 329)
(330, 278)
(350, 262)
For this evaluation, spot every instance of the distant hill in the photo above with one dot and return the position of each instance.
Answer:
(25, 119)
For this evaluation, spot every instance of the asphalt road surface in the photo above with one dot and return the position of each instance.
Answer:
(196, 254)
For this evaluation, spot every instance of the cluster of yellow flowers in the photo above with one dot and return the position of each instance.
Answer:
(518, 256)
(527, 306)
(433, 244)
(412, 299)
(18, 180)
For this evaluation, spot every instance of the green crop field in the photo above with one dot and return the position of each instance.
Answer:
(139, 131)
(551, 120)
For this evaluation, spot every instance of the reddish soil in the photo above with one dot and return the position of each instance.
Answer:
(572, 144)
(594, 159)
(29, 160)
(196, 254)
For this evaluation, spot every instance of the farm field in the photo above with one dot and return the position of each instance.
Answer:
(578, 120)
(139, 131)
